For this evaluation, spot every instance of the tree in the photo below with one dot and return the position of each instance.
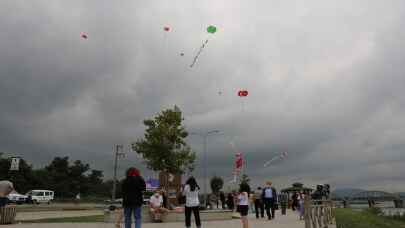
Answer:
(163, 147)
(244, 179)
(216, 184)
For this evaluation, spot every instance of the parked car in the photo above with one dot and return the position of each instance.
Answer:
(40, 196)
(17, 198)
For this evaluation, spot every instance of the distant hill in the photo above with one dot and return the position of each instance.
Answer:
(345, 192)
(401, 194)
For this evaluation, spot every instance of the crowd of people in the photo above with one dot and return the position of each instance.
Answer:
(263, 202)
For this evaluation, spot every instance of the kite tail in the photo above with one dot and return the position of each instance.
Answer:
(198, 54)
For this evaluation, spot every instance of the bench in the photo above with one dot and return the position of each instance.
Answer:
(173, 216)
(7, 214)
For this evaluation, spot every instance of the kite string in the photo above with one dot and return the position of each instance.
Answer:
(198, 53)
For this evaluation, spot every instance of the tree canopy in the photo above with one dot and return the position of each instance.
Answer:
(60, 175)
(163, 147)
(216, 184)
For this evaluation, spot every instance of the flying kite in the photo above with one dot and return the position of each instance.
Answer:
(243, 93)
(276, 158)
(83, 35)
(238, 166)
(166, 28)
(210, 29)
(181, 54)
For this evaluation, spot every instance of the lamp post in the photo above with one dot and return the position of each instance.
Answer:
(205, 136)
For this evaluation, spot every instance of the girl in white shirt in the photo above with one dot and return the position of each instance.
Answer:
(191, 191)
(243, 204)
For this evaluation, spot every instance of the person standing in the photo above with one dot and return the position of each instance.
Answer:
(259, 207)
(191, 191)
(301, 208)
(283, 199)
(6, 187)
(294, 204)
(222, 198)
(243, 204)
(133, 188)
(230, 202)
(269, 196)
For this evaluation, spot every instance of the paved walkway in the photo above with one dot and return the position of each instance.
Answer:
(22, 216)
(289, 221)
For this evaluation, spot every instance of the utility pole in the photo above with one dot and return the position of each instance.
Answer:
(118, 153)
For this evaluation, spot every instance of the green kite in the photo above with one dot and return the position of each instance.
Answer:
(211, 29)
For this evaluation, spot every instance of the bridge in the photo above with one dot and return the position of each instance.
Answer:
(374, 195)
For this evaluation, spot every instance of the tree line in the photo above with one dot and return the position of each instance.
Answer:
(66, 178)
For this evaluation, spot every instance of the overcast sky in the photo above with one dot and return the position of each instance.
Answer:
(325, 80)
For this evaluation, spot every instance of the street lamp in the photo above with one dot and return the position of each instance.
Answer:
(205, 136)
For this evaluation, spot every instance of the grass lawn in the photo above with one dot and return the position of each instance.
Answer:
(347, 218)
(81, 219)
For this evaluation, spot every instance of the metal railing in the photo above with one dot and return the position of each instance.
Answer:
(318, 213)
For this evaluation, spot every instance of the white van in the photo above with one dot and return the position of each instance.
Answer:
(40, 196)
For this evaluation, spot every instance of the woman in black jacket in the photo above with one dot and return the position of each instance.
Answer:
(133, 188)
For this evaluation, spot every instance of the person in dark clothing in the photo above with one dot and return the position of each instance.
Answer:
(230, 201)
(259, 206)
(269, 197)
(294, 204)
(222, 198)
(165, 205)
(133, 188)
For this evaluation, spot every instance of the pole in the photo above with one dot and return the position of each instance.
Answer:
(205, 170)
(114, 190)
(117, 153)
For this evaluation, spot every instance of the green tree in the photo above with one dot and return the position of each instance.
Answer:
(78, 180)
(244, 179)
(163, 147)
(216, 184)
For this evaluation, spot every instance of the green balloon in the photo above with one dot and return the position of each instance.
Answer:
(211, 29)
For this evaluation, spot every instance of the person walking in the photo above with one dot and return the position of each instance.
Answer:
(133, 188)
(269, 196)
(259, 206)
(243, 204)
(191, 191)
(294, 204)
(301, 198)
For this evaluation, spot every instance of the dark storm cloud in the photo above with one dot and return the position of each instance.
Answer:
(325, 82)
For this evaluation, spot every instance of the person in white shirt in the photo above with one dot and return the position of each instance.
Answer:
(191, 191)
(243, 203)
(6, 187)
(156, 206)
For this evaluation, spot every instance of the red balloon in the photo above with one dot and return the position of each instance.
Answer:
(166, 28)
(83, 35)
(243, 93)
